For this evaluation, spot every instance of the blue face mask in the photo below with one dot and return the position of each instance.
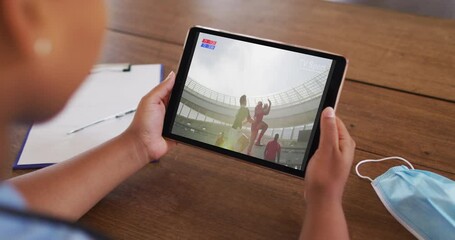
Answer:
(422, 201)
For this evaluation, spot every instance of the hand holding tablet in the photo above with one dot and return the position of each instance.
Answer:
(252, 99)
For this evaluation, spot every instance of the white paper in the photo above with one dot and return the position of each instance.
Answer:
(103, 94)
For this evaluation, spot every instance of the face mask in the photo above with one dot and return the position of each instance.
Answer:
(422, 201)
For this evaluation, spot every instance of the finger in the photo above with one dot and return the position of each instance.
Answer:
(166, 100)
(345, 139)
(329, 132)
(160, 92)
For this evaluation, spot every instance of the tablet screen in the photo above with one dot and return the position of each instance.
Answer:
(255, 100)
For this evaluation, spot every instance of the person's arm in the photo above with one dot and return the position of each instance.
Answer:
(250, 120)
(326, 177)
(265, 150)
(69, 189)
(268, 109)
(279, 153)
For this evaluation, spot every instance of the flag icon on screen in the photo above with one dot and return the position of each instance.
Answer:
(207, 43)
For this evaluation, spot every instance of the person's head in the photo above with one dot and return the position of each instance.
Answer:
(47, 49)
(243, 100)
(259, 104)
(276, 137)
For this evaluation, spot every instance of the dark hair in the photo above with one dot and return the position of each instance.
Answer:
(243, 100)
(277, 136)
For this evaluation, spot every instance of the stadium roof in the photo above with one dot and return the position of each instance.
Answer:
(305, 92)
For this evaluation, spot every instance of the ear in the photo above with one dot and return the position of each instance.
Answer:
(24, 22)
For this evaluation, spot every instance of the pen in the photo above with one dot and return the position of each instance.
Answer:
(116, 67)
(116, 116)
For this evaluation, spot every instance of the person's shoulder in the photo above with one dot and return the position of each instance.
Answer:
(10, 197)
(17, 223)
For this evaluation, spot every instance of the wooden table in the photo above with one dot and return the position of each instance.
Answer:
(398, 100)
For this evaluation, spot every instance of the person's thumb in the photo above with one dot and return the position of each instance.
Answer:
(161, 91)
(329, 132)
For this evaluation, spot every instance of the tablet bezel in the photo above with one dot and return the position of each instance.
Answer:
(329, 97)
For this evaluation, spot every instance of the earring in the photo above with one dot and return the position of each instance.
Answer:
(43, 46)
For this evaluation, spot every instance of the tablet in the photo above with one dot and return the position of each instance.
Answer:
(252, 99)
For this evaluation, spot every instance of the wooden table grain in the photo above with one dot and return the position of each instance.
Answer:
(398, 100)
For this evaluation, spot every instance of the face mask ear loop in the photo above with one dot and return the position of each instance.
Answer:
(357, 169)
(378, 160)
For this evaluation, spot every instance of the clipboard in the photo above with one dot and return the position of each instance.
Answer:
(110, 89)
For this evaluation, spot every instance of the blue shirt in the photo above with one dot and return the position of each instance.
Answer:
(24, 228)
